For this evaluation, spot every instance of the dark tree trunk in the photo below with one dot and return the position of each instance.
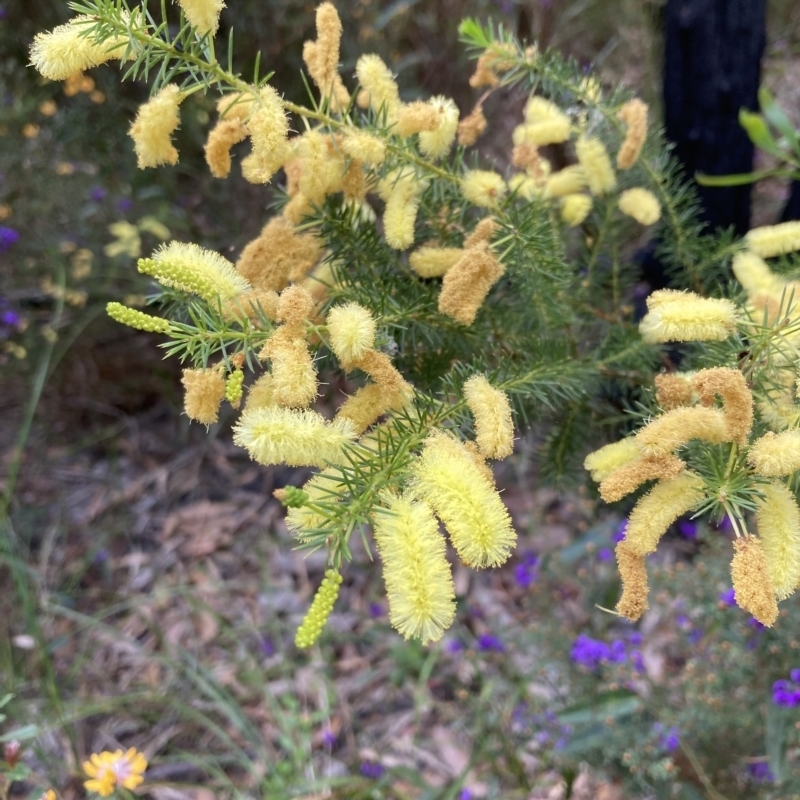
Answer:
(712, 68)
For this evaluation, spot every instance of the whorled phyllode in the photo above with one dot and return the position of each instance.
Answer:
(751, 583)
(418, 580)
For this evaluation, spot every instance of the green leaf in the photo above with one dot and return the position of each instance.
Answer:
(20, 734)
(607, 704)
(738, 179)
(779, 722)
(778, 119)
(756, 128)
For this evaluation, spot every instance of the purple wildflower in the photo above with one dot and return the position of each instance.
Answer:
(97, 194)
(786, 693)
(670, 740)
(10, 319)
(465, 794)
(371, 769)
(795, 675)
(688, 529)
(375, 610)
(266, 646)
(328, 737)
(605, 554)
(124, 204)
(694, 635)
(525, 573)
(8, 237)
(728, 597)
(619, 534)
(760, 772)
(589, 652)
(453, 646)
(725, 525)
(490, 643)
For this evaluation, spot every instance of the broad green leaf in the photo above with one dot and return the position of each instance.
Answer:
(778, 119)
(20, 734)
(758, 131)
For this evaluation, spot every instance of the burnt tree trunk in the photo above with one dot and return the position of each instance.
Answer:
(712, 68)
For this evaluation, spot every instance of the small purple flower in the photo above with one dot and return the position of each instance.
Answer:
(637, 660)
(589, 652)
(101, 556)
(635, 638)
(605, 554)
(619, 534)
(489, 643)
(375, 610)
(8, 237)
(525, 573)
(682, 620)
(670, 740)
(124, 204)
(267, 647)
(728, 597)
(787, 693)
(97, 194)
(465, 794)
(694, 635)
(328, 737)
(453, 646)
(688, 529)
(725, 525)
(760, 772)
(754, 623)
(371, 769)
(617, 652)
(795, 675)
(10, 319)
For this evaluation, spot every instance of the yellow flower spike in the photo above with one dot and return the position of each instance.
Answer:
(267, 123)
(294, 376)
(575, 208)
(493, 421)
(751, 582)
(63, 52)
(277, 435)
(437, 142)
(433, 262)
(205, 389)
(774, 240)
(137, 319)
(609, 458)
(415, 117)
(633, 573)
(737, 398)
(567, 181)
(592, 155)
(755, 276)
(320, 488)
(545, 123)
(778, 523)
(676, 316)
(203, 15)
(400, 215)
(322, 57)
(447, 477)
(364, 147)
(674, 390)
(261, 394)
(109, 771)
(634, 115)
(352, 332)
(641, 204)
(191, 268)
(483, 188)
(467, 283)
(321, 607)
(675, 428)
(222, 137)
(417, 574)
(153, 127)
(629, 477)
(659, 508)
(379, 85)
(775, 455)
(472, 127)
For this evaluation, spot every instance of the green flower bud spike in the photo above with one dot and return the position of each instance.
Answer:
(320, 610)
(233, 388)
(137, 319)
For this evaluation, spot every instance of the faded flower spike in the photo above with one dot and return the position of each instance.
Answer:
(629, 477)
(203, 15)
(493, 422)
(467, 283)
(633, 573)
(731, 386)
(641, 204)
(634, 115)
(416, 572)
(778, 523)
(153, 127)
(64, 52)
(479, 526)
(192, 268)
(137, 319)
(321, 607)
(322, 56)
(205, 389)
(676, 316)
(110, 771)
(774, 240)
(352, 332)
(751, 582)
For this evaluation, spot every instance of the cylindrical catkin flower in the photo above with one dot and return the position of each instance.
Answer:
(415, 117)
(751, 583)
(203, 15)
(629, 477)
(224, 135)
(364, 147)
(294, 377)
(570, 180)
(417, 574)
(261, 394)
(377, 81)
(674, 390)
(137, 319)
(778, 523)
(191, 268)
(641, 204)
(467, 283)
(675, 428)
(351, 329)
(277, 435)
(467, 503)
(321, 607)
(483, 188)
(609, 458)
(437, 142)
(731, 386)
(380, 368)
(153, 127)
(592, 155)
(482, 232)
(633, 573)
(205, 389)
(575, 208)
(774, 240)
(322, 57)
(493, 421)
(659, 508)
(472, 127)
(433, 262)
(634, 115)
(295, 306)
(676, 316)
(367, 405)
(755, 276)
(267, 123)
(775, 455)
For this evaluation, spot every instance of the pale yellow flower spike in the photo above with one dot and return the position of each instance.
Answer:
(367, 405)
(567, 181)
(641, 204)
(775, 455)
(755, 276)
(351, 329)
(634, 115)
(676, 316)
(364, 147)
(467, 283)
(778, 523)
(675, 428)
(109, 771)
(673, 390)
(433, 262)
(63, 52)
(418, 580)
(633, 572)
(277, 435)
(222, 137)
(293, 373)
(261, 394)
(153, 127)
(629, 477)
(658, 509)
(416, 117)
(321, 488)
(575, 208)
(609, 458)
(437, 143)
(774, 240)
(400, 214)
(483, 188)
(737, 398)
(545, 123)
(493, 421)
(596, 164)
(205, 389)
(379, 85)
(751, 583)
(268, 124)
(203, 15)
(322, 57)
(467, 503)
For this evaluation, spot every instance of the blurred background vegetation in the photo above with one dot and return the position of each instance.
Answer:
(118, 628)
